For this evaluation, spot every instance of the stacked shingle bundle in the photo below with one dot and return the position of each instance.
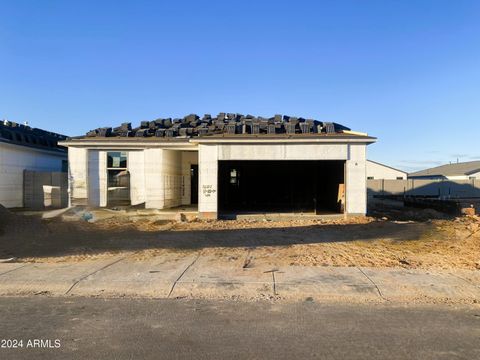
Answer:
(224, 123)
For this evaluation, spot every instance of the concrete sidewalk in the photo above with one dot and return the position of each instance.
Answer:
(196, 276)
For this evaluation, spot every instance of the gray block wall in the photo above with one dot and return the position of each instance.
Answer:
(45, 190)
(441, 188)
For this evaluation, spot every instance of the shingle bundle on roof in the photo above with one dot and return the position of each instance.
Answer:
(224, 123)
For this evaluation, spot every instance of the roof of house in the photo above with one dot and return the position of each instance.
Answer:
(457, 169)
(387, 166)
(23, 135)
(223, 125)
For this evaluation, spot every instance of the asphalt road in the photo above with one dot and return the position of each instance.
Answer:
(92, 328)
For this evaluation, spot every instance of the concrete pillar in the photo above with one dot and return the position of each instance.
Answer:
(172, 178)
(356, 178)
(77, 176)
(188, 159)
(97, 178)
(136, 168)
(153, 179)
(208, 181)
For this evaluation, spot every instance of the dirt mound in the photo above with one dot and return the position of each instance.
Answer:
(425, 214)
(396, 211)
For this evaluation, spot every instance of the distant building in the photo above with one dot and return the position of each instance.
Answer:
(23, 148)
(377, 171)
(457, 171)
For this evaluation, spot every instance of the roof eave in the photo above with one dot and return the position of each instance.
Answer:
(285, 139)
(191, 142)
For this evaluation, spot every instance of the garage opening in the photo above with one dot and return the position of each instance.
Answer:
(281, 186)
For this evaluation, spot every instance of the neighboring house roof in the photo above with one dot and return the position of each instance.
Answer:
(224, 125)
(457, 169)
(374, 162)
(22, 135)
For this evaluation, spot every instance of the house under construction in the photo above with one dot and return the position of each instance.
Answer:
(226, 164)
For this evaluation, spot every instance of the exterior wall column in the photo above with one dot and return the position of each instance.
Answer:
(189, 158)
(356, 180)
(136, 168)
(77, 176)
(97, 178)
(208, 181)
(154, 179)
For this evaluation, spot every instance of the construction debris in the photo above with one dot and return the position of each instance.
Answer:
(470, 211)
(180, 217)
(452, 206)
(223, 124)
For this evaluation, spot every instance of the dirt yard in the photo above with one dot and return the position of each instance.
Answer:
(370, 242)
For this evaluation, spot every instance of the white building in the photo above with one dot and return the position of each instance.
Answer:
(23, 148)
(458, 171)
(226, 164)
(377, 171)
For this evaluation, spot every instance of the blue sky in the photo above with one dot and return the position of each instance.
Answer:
(407, 72)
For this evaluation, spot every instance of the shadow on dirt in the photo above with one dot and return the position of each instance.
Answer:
(36, 238)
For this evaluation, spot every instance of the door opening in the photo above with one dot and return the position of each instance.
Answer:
(194, 184)
(118, 179)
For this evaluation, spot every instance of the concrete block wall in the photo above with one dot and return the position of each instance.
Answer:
(157, 177)
(53, 197)
(14, 159)
(161, 177)
(282, 152)
(356, 180)
(97, 178)
(442, 188)
(167, 178)
(78, 175)
(460, 188)
(189, 158)
(208, 181)
(153, 179)
(88, 176)
(136, 168)
(45, 189)
(172, 178)
(354, 155)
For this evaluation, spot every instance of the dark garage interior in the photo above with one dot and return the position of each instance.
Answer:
(281, 186)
